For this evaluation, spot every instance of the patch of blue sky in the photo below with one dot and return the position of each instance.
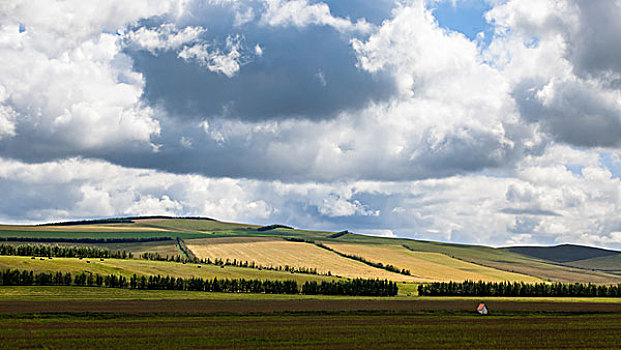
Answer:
(466, 17)
(22, 28)
(373, 11)
(612, 162)
(576, 169)
(495, 174)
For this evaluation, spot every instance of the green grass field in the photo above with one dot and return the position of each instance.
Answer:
(610, 263)
(312, 331)
(106, 318)
(71, 234)
(129, 267)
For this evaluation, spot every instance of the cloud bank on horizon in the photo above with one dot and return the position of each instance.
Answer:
(480, 121)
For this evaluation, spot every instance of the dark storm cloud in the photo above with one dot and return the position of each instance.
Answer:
(577, 114)
(596, 52)
(308, 73)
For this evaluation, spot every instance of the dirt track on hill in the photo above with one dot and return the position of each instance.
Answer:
(247, 306)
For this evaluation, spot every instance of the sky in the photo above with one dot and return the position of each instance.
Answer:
(493, 122)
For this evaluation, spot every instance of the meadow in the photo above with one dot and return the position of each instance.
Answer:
(109, 318)
(312, 331)
(129, 267)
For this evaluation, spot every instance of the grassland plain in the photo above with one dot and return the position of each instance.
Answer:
(75, 234)
(313, 331)
(107, 318)
(277, 252)
(609, 263)
(190, 225)
(428, 266)
(83, 228)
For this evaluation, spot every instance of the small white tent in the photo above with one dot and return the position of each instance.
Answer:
(482, 309)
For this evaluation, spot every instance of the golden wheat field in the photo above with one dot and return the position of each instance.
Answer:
(428, 266)
(277, 252)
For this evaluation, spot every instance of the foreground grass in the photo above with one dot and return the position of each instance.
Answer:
(62, 293)
(312, 331)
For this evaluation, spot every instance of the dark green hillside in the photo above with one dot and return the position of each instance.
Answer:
(610, 264)
(563, 253)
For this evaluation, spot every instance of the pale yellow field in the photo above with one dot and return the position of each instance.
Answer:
(276, 252)
(428, 266)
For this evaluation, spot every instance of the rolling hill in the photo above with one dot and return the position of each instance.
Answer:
(564, 253)
(279, 249)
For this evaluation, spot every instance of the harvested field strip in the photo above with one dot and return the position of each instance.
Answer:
(345, 331)
(297, 254)
(428, 266)
(129, 267)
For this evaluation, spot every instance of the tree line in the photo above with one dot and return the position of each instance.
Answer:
(63, 252)
(357, 287)
(353, 287)
(518, 289)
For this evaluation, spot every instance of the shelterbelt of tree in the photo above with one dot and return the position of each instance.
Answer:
(507, 289)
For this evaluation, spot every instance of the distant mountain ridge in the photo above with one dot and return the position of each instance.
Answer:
(563, 253)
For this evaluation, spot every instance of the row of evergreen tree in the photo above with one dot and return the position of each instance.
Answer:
(353, 287)
(379, 265)
(63, 252)
(518, 289)
(357, 287)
